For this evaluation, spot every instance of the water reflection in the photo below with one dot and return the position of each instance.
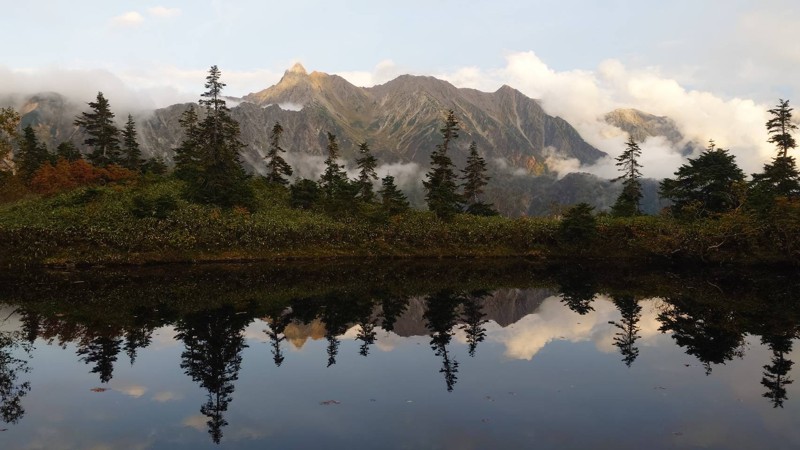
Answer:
(457, 315)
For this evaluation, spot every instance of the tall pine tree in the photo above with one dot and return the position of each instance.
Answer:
(32, 154)
(220, 178)
(187, 155)
(629, 200)
(9, 120)
(366, 164)
(475, 179)
(393, 201)
(780, 127)
(102, 134)
(780, 178)
(277, 167)
(334, 179)
(441, 183)
(131, 157)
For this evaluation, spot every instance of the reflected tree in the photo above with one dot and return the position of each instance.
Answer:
(31, 324)
(366, 331)
(214, 342)
(12, 389)
(578, 289)
(710, 333)
(392, 308)
(275, 332)
(628, 325)
(100, 351)
(776, 374)
(441, 315)
(473, 317)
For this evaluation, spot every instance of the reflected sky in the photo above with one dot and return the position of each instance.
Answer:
(501, 368)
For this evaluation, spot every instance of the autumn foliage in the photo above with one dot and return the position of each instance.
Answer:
(66, 175)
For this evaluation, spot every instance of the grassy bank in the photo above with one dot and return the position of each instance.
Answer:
(150, 222)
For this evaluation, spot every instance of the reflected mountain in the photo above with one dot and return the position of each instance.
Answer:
(108, 313)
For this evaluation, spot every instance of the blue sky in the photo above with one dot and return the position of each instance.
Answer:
(725, 60)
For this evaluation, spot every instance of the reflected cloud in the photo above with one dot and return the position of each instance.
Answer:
(167, 396)
(134, 391)
(197, 421)
(554, 322)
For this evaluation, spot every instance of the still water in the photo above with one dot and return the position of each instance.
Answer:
(434, 355)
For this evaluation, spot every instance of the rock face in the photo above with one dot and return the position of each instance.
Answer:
(401, 119)
(641, 125)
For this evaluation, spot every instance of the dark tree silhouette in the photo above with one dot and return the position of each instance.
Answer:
(277, 167)
(578, 289)
(393, 201)
(625, 338)
(102, 134)
(441, 315)
(131, 154)
(473, 317)
(32, 154)
(628, 202)
(214, 343)
(392, 308)
(101, 350)
(12, 389)
(780, 127)
(776, 374)
(710, 333)
(275, 332)
(366, 164)
(441, 183)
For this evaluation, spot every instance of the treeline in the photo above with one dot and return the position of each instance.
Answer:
(208, 161)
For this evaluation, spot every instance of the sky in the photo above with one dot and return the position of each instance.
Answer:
(714, 66)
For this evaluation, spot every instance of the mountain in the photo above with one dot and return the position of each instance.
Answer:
(400, 119)
(641, 125)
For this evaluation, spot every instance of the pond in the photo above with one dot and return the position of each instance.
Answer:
(391, 354)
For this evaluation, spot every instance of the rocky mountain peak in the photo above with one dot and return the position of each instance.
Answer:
(297, 69)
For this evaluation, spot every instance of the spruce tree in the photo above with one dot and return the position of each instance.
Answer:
(67, 150)
(781, 177)
(475, 179)
(709, 184)
(366, 164)
(628, 202)
(780, 127)
(441, 186)
(102, 133)
(334, 179)
(32, 154)
(187, 155)
(131, 157)
(277, 167)
(393, 201)
(220, 178)
(9, 120)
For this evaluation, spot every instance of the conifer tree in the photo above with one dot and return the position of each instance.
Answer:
(220, 178)
(102, 133)
(67, 150)
(475, 179)
(780, 178)
(709, 184)
(440, 185)
(628, 202)
(9, 120)
(334, 180)
(131, 157)
(366, 164)
(277, 167)
(780, 127)
(393, 201)
(187, 155)
(32, 154)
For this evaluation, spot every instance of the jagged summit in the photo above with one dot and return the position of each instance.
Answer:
(298, 69)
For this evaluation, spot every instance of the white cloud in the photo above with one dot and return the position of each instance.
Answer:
(384, 71)
(129, 19)
(583, 97)
(553, 321)
(134, 391)
(163, 12)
